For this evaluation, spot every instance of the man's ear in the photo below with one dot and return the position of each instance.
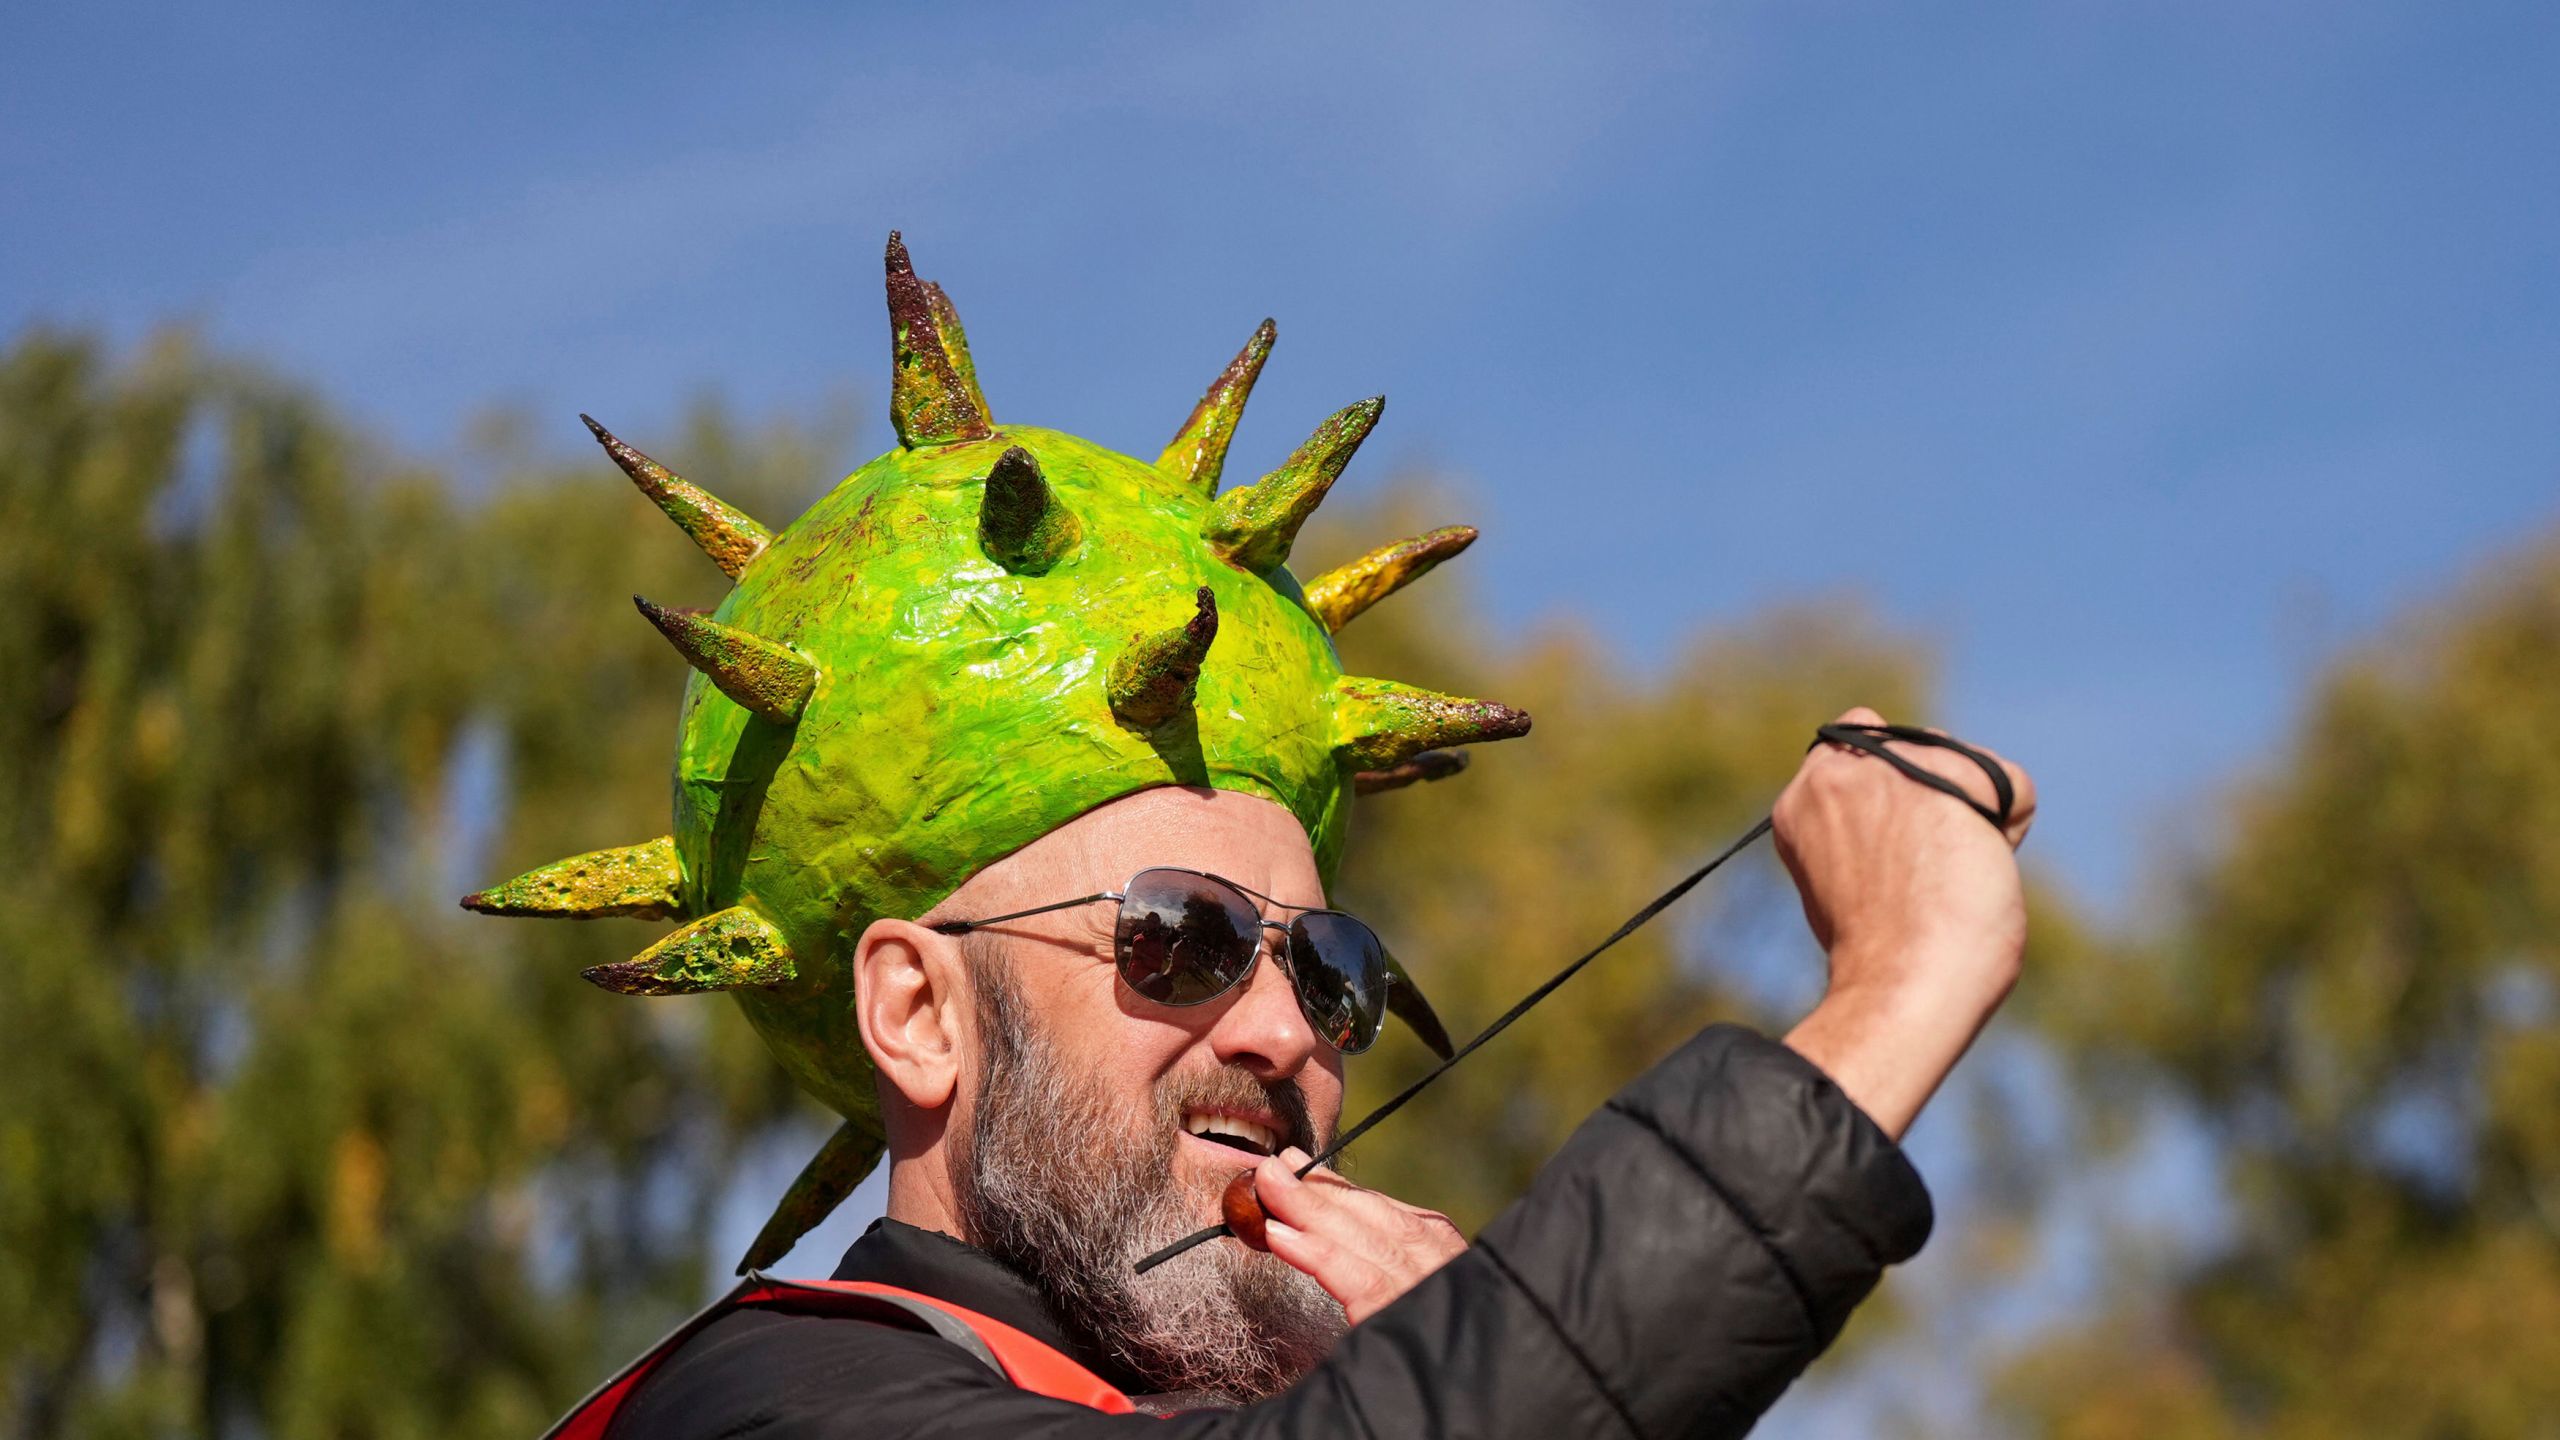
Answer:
(911, 998)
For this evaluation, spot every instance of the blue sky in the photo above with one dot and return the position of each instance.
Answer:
(2136, 355)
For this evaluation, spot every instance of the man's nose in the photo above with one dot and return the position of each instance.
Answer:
(1262, 1027)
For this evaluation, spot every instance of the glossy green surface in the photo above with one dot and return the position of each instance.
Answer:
(961, 709)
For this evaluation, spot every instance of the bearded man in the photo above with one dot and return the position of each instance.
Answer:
(1040, 907)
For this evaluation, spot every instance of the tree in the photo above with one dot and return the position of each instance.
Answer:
(294, 1148)
(2360, 999)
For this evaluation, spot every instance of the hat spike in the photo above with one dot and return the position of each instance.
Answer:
(933, 385)
(1343, 592)
(1252, 527)
(1379, 724)
(821, 1186)
(955, 342)
(1153, 679)
(1021, 525)
(1198, 452)
(1429, 765)
(757, 673)
(1405, 1002)
(723, 951)
(643, 881)
(724, 532)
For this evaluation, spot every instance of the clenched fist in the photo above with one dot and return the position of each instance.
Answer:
(1919, 905)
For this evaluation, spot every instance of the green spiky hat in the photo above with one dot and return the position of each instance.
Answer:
(974, 639)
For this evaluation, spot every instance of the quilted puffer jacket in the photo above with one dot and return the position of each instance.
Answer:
(1691, 1249)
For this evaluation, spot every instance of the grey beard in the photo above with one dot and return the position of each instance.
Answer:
(1057, 1185)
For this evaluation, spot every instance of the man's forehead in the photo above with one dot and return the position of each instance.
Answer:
(1245, 838)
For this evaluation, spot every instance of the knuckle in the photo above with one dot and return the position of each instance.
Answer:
(1826, 771)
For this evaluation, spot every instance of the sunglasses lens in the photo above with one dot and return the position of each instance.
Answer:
(1341, 971)
(1184, 938)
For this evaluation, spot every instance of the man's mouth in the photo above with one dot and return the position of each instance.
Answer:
(1252, 1137)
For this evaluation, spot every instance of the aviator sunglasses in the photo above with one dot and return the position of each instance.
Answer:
(1186, 938)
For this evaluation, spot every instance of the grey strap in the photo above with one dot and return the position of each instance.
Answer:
(933, 1317)
(943, 1323)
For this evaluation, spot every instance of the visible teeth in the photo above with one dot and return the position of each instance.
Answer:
(1255, 1135)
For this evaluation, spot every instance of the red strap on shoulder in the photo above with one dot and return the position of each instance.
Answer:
(1027, 1362)
(1034, 1366)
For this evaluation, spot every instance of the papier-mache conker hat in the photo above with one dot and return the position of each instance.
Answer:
(972, 640)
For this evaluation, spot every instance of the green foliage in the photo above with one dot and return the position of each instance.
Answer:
(2361, 1001)
(292, 1146)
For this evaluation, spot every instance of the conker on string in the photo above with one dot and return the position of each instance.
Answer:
(1243, 1211)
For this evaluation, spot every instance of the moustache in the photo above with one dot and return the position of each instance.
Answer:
(1232, 1086)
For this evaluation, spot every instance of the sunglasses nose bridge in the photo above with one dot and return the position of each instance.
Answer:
(1261, 1018)
(1273, 945)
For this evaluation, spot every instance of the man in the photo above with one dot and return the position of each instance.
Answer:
(1037, 904)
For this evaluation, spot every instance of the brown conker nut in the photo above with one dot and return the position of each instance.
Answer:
(1243, 1211)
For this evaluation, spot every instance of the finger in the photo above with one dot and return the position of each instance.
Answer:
(1324, 1175)
(1974, 781)
(1352, 1282)
(1783, 817)
(2022, 789)
(1284, 1196)
(1319, 1256)
(1347, 1199)
(1352, 1199)
(2022, 811)
(1854, 715)
(1318, 1202)
(1294, 1160)
(1379, 1228)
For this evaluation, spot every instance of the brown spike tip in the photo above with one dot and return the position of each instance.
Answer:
(735, 947)
(1405, 1002)
(1253, 526)
(1198, 452)
(757, 673)
(1429, 765)
(1021, 524)
(933, 385)
(1343, 592)
(1154, 679)
(640, 880)
(724, 532)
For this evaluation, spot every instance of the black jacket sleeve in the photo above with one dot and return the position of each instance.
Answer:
(1691, 1249)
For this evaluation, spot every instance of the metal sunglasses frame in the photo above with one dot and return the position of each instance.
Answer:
(1121, 896)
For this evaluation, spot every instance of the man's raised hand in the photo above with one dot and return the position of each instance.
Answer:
(1920, 907)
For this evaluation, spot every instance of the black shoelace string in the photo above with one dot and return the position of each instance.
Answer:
(1867, 739)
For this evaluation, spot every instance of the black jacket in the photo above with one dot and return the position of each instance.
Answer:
(1690, 1250)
